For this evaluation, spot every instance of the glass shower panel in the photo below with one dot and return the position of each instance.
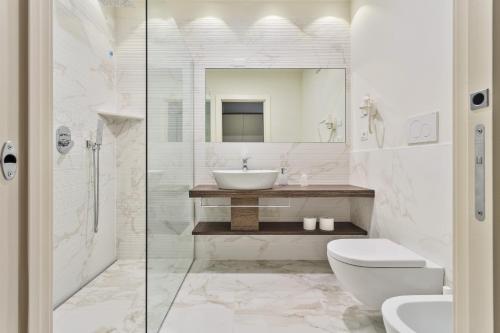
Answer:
(170, 162)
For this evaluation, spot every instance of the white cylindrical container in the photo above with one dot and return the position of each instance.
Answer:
(310, 223)
(327, 223)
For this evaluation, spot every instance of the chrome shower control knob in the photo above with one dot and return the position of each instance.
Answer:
(63, 139)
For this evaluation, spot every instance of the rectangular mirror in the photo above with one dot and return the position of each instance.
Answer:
(275, 105)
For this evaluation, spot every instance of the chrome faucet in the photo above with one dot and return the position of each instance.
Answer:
(244, 161)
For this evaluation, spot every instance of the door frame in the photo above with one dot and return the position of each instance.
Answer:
(473, 241)
(467, 311)
(496, 163)
(265, 99)
(40, 167)
(13, 127)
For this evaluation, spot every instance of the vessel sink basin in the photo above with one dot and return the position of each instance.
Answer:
(416, 314)
(245, 180)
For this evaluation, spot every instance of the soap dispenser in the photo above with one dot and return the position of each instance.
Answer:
(283, 177)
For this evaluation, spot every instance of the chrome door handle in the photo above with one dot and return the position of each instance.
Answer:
(479, 173)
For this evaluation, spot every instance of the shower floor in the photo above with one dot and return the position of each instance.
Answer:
(265, 297)
(114, 302)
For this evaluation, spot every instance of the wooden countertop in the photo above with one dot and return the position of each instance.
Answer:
(289, 191)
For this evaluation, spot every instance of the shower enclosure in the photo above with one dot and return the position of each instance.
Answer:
(170, 147)
(122, 216)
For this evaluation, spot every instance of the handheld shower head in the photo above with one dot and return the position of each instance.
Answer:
(98, 136)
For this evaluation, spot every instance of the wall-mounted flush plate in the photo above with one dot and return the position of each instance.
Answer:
(480, 99)
(423, 129)
(63, 140)
(9, 160)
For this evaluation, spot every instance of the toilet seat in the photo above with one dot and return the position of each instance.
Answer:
(377, 252)
(373, 270)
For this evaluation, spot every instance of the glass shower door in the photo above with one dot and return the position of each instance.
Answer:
(170, 162)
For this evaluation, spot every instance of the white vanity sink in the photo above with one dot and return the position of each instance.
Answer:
(415, 314)
(245, 179)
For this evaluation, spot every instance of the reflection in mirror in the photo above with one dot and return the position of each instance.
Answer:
(275, 105)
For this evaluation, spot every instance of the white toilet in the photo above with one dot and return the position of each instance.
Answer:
(374, 270)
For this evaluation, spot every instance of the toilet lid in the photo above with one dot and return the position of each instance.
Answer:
(376, 252)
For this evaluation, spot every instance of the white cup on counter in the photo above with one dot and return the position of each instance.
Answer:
(310, 223)
(327, 223)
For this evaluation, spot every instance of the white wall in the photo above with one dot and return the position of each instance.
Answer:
(84, 82)
(264, 35)
(130, 36)
(99, 65)
(402, 57)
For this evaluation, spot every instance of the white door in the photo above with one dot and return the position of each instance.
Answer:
(13, 210)
(474, 209)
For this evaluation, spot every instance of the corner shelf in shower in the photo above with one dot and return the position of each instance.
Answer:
(347, 229)
(120, 115)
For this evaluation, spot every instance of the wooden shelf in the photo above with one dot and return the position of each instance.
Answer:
(277, 228)
(289, 191)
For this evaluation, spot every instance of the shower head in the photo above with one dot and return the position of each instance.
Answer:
(98, 136)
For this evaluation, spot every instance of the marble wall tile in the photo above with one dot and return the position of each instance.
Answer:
(413, 184)
(130, 53)
(413, 201)
(338, 208)
(84, 82)
(262, 247)
(99, 65)
(265, 35)
(131, 189)
(239, 31)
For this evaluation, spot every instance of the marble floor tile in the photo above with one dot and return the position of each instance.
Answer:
(114, 302)
(165, 277)
(266, 296)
